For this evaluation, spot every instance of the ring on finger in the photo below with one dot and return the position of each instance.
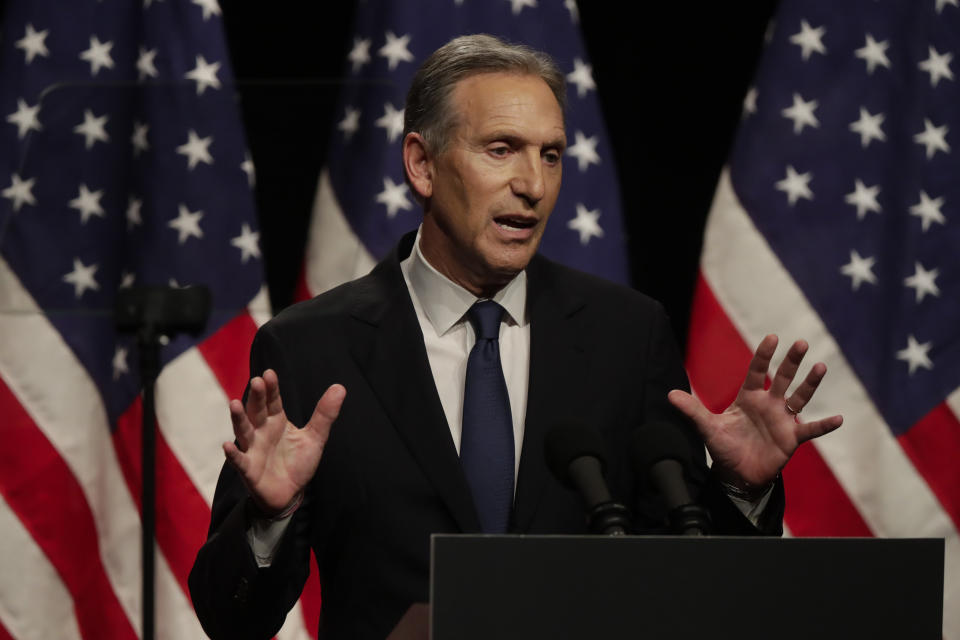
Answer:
(791, 410)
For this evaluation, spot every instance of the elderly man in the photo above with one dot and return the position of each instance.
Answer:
(416, 399)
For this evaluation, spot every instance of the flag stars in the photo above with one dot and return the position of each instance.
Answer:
(98, 55)
(923, 282)
(586, 223)
(145, 64)
(187, 224)
(859, 270)
(360, 53)
(801, 113)
(394, 197)
(248, 242)
(26, 118)
(20, 192)
(33, 43)
(928, 210)
(210, 8)
(391, 121)
(868, 126)
(937, 65)
(942, 3)
(750, 101)
(571, 6)
(916, 355)
(126, 279)
(584, 149)
(196, 149)
(874, 53)
(351, 122)
(396, 51)
(796, 185)
(82, 278)
(809, 40)
(134, 213)
(933, 138)
(518, 5)
(120, 366)
(864, 198)
(582, 76)
(88, 203)
(93, 129)
(247, 167)
(139, 138)
(204, 74)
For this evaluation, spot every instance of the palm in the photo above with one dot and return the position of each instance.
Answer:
(752, 440)
(276, 459)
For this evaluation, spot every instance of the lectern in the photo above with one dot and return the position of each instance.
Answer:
(529, 587)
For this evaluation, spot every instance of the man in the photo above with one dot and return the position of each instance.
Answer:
(407, 452)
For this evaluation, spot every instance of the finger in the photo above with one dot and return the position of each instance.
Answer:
(242, 428)
(326, 411)
(692, 408)
(272, 383)
(757, 372)
(236, 458)
(256, 408)
(810, 430)
(788, 368)
(802, 395)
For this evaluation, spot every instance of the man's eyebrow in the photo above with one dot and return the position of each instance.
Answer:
(560, 142)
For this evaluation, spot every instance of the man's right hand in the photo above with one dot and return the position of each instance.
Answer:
(276, 459)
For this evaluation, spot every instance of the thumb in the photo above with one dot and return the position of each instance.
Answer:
(691, 407)
(327, 410)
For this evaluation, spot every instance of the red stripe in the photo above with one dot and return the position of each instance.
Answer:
(816, 503)
(302, 291)
(310, 600)
(226, 353)
(933, 445)
(717, 359)
(4, 634)
(182, 515)
(41, 490)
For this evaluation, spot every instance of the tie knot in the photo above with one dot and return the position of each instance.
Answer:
(485, 316)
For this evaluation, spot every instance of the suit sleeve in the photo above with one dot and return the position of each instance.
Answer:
(234, 598)
(665, 373)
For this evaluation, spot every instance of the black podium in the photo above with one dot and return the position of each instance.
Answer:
(530, 587)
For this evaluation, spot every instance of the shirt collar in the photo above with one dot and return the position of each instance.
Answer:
(445, 302)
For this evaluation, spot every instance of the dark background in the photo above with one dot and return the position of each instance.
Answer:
(671, 82)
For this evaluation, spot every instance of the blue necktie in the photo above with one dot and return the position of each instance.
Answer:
(486, 445)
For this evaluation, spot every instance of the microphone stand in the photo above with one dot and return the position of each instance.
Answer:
(152, 313)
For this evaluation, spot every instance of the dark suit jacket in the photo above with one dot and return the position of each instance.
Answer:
(390, 475)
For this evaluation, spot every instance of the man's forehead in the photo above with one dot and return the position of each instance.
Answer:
(500, 97)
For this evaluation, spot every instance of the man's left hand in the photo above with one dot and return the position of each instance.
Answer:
(754, 438)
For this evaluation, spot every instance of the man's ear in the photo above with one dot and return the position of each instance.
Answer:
(417, 163)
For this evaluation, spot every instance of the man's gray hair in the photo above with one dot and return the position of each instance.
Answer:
(428, 110)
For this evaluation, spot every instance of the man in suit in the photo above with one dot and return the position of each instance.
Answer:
(447, 411)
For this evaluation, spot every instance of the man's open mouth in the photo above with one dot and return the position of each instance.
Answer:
(513, 223)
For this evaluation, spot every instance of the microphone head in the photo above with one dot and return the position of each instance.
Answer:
(570, 440)
(656, 441)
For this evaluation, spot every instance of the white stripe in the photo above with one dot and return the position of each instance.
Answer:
(953, 401)
(194, 416)
(259, 307)
(334, 252)
(174, 616)
(55, 390)
(294, 627)
(759, 296)
(34, 603)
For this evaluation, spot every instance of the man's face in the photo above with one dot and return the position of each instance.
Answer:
(495, 184)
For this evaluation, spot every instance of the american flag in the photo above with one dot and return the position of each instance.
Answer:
(363, 205)
(122, 163)
(836, 220)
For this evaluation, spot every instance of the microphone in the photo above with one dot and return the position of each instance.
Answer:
(575, 454)
(662, 453)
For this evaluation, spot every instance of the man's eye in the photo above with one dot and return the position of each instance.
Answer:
(552, 157)
(500, 151)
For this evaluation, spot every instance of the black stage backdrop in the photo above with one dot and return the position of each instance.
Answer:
(671, 78)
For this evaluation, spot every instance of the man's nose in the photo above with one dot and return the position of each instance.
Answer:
(528, 180)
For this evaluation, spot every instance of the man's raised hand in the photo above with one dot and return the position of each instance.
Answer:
(754, 438)
(276, 459)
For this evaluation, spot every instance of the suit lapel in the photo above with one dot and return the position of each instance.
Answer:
(387, 344)
(557, 362)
